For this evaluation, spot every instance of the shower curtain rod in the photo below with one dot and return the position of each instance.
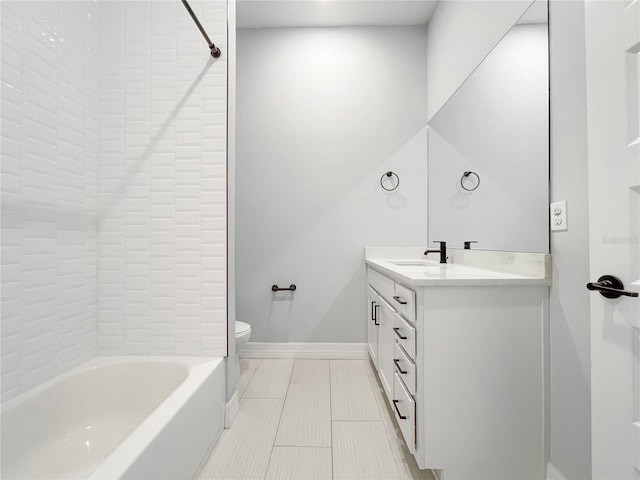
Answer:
(215, 51)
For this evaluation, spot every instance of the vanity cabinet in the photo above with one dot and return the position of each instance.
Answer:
(462, 368)
(396, 348)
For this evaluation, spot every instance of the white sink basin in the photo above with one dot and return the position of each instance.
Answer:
(445, 270)
(436, 268)
(415, 263)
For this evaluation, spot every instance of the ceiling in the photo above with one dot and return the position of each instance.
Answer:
(332, 13)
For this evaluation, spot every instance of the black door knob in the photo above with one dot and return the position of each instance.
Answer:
(610, 286)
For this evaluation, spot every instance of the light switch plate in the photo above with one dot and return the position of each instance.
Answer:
(558, 216)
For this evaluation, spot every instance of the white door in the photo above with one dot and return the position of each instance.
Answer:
(612, 30)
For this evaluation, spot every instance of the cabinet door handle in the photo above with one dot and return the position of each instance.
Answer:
(395, 330)
(373, 312)
(395, 405)
(399, 300)
(375, 315)
(397, 362)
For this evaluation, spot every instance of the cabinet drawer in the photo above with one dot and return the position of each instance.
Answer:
(405, 368)
(404, 301)
(381, 284)
(405, 411)
(405, 335)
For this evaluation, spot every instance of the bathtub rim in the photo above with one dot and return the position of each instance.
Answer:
(116, 464)
(125, 455)
(102, 361)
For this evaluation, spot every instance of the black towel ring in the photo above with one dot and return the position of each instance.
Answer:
(466, 175)
(389, 174)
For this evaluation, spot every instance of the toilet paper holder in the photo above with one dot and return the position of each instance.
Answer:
(276, 288)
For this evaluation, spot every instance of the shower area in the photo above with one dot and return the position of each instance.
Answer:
(113, 204)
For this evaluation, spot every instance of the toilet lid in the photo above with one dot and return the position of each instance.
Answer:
(242, 327)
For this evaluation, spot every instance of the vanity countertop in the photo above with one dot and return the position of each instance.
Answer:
(465, 268)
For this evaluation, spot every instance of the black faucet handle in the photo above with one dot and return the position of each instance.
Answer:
(467, 244)
(442, 250)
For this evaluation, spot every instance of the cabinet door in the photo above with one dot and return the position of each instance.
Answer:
(372, 324)
(386, 342)
(405, 410)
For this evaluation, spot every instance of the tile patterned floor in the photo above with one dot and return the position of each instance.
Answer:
(311, 419)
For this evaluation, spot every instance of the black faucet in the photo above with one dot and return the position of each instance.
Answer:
(442, 251)
(467, 244)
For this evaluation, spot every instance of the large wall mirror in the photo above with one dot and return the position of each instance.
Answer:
(489, 148)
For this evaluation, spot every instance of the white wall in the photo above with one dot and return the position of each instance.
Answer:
(322, 114)
(460, 34)
(497, 125)
(162, 230)
(570, 371)
(49, 189)
(232, 370)
(569, 336)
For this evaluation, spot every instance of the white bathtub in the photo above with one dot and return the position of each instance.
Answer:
(116, 418)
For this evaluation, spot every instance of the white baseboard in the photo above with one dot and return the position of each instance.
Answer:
(553, 473)
(231, 410)
(334, 351)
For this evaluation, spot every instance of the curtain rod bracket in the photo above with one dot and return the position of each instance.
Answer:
(215, 51)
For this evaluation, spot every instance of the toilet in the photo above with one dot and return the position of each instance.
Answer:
(243, 332)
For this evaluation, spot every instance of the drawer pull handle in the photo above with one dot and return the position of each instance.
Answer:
(395, 405)
(399, 300)
(397, 362)
(395, 330)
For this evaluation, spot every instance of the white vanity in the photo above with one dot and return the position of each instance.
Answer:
(459, 350)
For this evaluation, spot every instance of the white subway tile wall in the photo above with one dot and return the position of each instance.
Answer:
(162, 195)
(113, 184)
(49, 189)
